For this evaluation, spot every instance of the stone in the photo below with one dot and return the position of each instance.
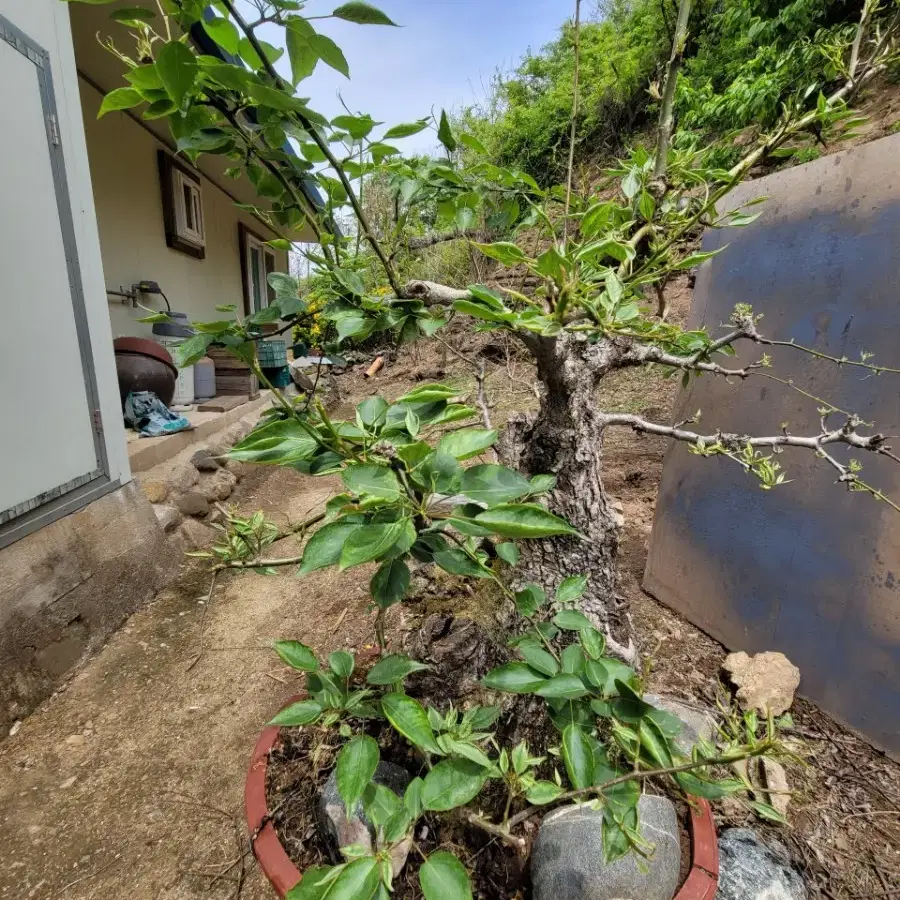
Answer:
(14, 728)
(154, 490)
(69, 782)
(183, 477)
(75, 740)
(196, 534)
(341, 831)
(192, 503)
(771, 779)
(223, 482)
(567, 859)
(752, 870)
(168, 517)
(765, 681)
(236, 467)
(696, 723)
(204, 461)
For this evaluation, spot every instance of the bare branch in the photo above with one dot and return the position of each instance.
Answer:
(431, 293)
(441, 237)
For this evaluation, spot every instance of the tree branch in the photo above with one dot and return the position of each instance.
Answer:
(456, 234)
(322, 145)
(571, 167)
(431, 293)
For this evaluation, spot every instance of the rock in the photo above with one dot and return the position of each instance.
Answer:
(567, 859)
(341, 831)
(196, 534)
(696, 723)
(204, 461)
(14, 728)
(752, 870)
(75, 740)
(236, 467)
(192, 503)
(772, 781)
(767, 680)
(183, 477)
(168, 517)
(225, 483)
(155, 491)
(68, 783)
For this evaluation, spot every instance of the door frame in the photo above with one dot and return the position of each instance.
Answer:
(62, 499)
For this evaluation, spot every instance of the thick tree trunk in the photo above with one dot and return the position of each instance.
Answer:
(565, 439)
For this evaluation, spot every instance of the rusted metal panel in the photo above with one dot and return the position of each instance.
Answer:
(808, 568)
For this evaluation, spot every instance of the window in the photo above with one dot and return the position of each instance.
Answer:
(257, 262)
(182, 207)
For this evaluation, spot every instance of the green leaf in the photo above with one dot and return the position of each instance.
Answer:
(224, 33)
(281, 443)
(508, 552)
(646, 205)
(330, 53)
(370, 542)
(350, 280)
(523, 520)
(356, 765)
(362, 14)
(631, 184)
(130, 14)
(452, 783)
(358, 127)
(443, 877)
(542, 792)
(492, 484)
(503, 251)
(593, 642)
(121, 98)
(767, 812)
(456, 562)
(571, 588)
(301, 53)
(372, 412)
(514, 678)
(566, 687)
(530, 599)
(409, 718)
(358, 881)
(473, 143)
(540, 484)
(445, 133)
(393, 668)
(325, 546)
(578, 756)
(303, 713)
(342, 663)
(467, 442)
(177, 68)
(297, 655)
(371, 479)
(696, 258)
(407, 129)
(538, 658)
(313, 886)
(572, 659)
(571, 620)
(390, 583)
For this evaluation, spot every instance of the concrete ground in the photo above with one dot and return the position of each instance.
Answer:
(128, 783)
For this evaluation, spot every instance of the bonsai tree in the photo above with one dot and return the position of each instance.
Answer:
(595, 261)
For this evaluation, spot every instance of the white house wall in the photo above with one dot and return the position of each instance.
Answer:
(123, 159)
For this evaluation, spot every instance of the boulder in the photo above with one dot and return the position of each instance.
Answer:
(765, 681)
(696, 723)
(567, 859)
(196, 534)
(168, 517)
(341, 831)
(192, 503)
(204, 461)
(183, 477)
(752, 870)
(236, 467)
(154, 490)
(217, 486)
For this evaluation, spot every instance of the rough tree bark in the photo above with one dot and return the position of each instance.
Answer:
(565, 438)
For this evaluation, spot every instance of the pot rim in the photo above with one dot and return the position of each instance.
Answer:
(700, 884)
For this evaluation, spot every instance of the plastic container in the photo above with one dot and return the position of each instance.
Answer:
(272, 354)
(278, 376)
(204, 379)
(184, 386)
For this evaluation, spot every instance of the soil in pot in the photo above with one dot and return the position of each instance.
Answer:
(299, 766)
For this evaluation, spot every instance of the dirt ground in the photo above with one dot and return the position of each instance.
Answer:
(128, 782)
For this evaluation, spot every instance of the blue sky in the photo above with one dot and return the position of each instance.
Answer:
(443, 56)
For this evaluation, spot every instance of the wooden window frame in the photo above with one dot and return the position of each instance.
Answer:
(172, 175)
(247, 237)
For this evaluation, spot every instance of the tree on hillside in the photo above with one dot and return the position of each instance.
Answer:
(595, 261)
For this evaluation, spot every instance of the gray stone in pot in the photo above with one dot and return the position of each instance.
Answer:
(752, 870)
(341, 831)
(567, 859)
(696, 723)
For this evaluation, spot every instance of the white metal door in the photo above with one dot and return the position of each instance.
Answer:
(50, 445)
